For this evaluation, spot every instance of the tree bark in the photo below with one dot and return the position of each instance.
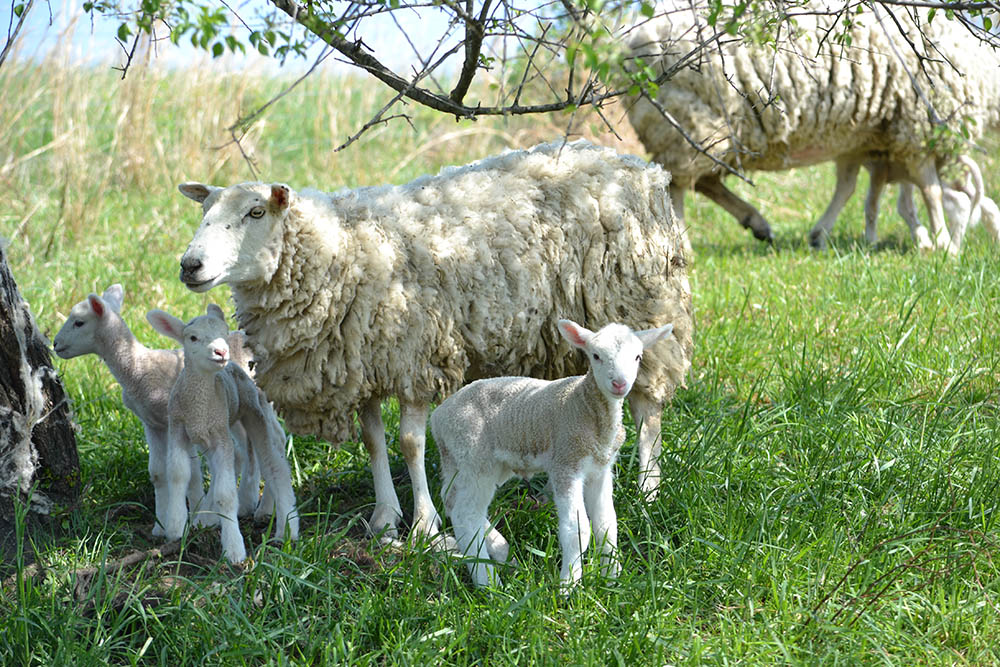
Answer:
(38, 459)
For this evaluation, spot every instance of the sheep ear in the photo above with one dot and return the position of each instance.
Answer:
(114, 296)
(197, 191)
(650, 336)
(281, 196)
(167, 324)
(215, 311)
(96, 304)
(576, 335)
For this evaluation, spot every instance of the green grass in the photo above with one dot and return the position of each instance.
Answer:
(830, 472)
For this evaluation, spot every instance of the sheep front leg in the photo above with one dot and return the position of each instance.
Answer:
(574, 528)
(412, 441)
(878, 178)
(221, 462)
(647, 417)
(930, 188)
(178, 474)
(597, 496)
(748, 217)
(387, 511)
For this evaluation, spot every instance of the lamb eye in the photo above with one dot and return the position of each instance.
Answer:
(78, 323)
(194, 339)
(597, 357)
(257, 212)
(638, 357)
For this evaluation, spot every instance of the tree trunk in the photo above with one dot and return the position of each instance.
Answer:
(38, 459)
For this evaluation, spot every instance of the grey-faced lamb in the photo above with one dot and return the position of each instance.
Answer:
(813, 99)
(210, 394)
(413, 290)
(499, 428)
(146, 376)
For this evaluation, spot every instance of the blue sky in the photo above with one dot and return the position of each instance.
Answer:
(93, 41)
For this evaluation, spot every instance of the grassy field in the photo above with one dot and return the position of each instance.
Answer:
(830, 473)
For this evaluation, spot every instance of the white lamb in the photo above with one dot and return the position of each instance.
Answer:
(413, 290)
(210, 395)
(812, 99)
(571, 429)
(95, 326)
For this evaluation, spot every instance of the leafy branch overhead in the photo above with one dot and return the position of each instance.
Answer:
(530, 58)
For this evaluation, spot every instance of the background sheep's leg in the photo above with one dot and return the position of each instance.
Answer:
(990, 217)
(677, 205)
(157, 442)
(387, 511)
(246, 464)
(268, 442)
(847, 179)
(926, 178)
(649, 441)
(412, 441)
(221, 462)
(878, 178)
(749, 217)
(597, 496)
(574, 527)
(908, 211)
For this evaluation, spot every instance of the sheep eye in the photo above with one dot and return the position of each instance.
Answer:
(194, 339)
(597, 357)
(257, 212)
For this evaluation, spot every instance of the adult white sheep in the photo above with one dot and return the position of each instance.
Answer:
(814, 99)
(413, 290)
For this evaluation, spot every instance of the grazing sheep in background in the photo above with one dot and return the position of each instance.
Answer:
(95, 326)
(813, 99)
(210, 394)
(499, 428)
(413, 290)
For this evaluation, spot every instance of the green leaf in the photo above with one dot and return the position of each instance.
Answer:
(124, 32)
(218, 49)
(647, 10)
(19, 9)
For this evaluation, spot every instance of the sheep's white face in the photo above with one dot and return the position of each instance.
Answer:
(614, 353)
(239, 240)
(206, 346)
(80, 332)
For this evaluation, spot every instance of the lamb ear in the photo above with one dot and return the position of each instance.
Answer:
(167, 324)
(197, 191)
(281, 196)
(574, 333)
(650, 336)
(96, 304)
(114, 296)
(215, 311)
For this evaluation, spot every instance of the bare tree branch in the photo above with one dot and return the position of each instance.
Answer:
(12, 34)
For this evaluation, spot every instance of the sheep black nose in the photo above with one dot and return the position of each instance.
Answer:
(190, 264)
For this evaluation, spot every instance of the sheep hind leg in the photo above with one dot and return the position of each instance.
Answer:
(387, 512)
(266, 438)
(749, 217)
(908, 211)
(412, 442)
(930, 188)
(649, 441)
(847, 180)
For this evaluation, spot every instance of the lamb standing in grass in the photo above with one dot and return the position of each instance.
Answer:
(499, 428)
(95, 326)
(413, 290)
(210, 395)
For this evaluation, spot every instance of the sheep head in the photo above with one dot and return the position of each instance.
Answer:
(239, 239)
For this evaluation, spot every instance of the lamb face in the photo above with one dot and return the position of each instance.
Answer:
(239, 239)
(206, 348)
(78, 335)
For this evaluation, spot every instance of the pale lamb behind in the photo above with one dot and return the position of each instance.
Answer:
(210, 394)
(811, 100)
(411, 291)
(146, 376)
(571, 429)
